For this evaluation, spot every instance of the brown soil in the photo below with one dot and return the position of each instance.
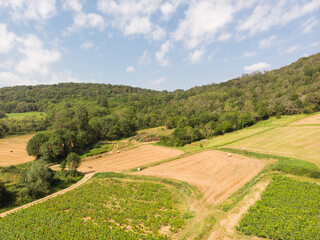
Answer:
(128, 159)
(13, 150)
(215, 174)
(315, 119)
(225, 228)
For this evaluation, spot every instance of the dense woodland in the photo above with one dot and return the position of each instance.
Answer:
(79, 114)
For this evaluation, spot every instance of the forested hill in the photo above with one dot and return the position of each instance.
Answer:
(199, 112)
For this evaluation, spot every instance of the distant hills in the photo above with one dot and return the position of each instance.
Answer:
(211, 109)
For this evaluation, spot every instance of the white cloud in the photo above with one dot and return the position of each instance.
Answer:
(11, 79)
(133, 16)
(145, 59)
(158, 81)
(90, 20)
(64, 76)
(309, 25)
(87, 45)
(161, 55)
(168, 8)
(225, 37)
(72, 5)
(30, 9)
(37, 60)
(257, 67)
(130, 69)
(211, 56)
(267, 42)
(7, 39)
(249, 54)
(273, 13)
(292, 49)
(203, 20)
(81, 19)
(196, 56)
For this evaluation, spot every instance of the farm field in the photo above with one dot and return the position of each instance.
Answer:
(245, 133)
(290, 141)
(18, 146)
(107, 207)
(128, 159)
(288, 209)
(314, 119)
(215, 174)
(27, 114)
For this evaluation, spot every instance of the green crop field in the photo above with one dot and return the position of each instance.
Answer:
(288, 209)
(105, 208)
(27, 114)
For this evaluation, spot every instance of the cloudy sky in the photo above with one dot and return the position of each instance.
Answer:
(157, 44)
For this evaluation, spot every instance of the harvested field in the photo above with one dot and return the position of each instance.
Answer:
(215, 174)
(129, 159)
(315, 119)
(291, 141)
(18, 146)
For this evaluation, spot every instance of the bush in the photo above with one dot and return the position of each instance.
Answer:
(37, 179)
(4, 195)
(73, 161)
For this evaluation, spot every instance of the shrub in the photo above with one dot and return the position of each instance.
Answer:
(37, 179)
(4, 195)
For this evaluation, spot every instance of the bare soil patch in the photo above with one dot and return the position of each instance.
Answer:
(225, 228)
(127, 159)
(13, 150)
(215, 174)
(315, 119)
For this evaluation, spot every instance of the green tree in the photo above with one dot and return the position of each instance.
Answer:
(37, 179)
(226, 126)
(34, 145)
(82, 118)
(73, 161)
(4, 195)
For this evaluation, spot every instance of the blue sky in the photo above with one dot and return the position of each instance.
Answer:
(155, 44)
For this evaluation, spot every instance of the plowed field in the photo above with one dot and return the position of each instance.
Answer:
(129, 159)
(13, 150)
(215, 174)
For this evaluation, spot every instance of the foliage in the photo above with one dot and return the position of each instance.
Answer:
(4, 195)
(37, 179)
(288, 209)
(113, 112)
(34, 145)
(73, 161)
(109, 208)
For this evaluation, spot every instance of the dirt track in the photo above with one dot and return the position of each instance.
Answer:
(213, 172)
(18, 146)
(315, 119)
(128, 159)
(82, 181)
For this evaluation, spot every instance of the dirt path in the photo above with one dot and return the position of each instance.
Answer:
(215, 174)
(225, 228)
(82, 181)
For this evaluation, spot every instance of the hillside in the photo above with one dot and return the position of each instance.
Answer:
(198, 113)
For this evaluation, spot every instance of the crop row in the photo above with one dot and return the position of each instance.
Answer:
(102, 209)
(288, 209)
